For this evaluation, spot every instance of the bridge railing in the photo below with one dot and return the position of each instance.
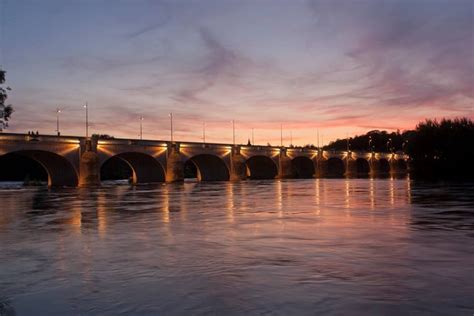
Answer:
(11, 137)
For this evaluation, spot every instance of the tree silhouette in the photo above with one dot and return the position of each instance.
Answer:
(436, 149)
(5, 110)
(379, 141)
(442, 148)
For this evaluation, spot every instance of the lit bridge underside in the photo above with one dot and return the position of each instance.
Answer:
(72, 161)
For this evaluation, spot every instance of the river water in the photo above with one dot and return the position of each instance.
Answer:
(296, 247)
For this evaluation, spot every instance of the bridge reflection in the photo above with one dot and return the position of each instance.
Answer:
(108, 209)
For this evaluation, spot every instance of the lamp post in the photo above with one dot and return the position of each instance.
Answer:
(281, 135)
(86, 106)
(171, 125)
(370, 143)
(141, 127)
(253, 142)
(204, 132)
(291, 138)
(58, 110)
(317, 133)
(233, 132)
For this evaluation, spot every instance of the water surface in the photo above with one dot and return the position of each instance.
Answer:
(358, 246)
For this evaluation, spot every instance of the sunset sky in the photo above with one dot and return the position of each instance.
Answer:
(337, 66)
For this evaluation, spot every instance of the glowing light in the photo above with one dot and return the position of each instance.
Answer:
(372, 194)
(68, 149)
(159, 152)
(230, 202)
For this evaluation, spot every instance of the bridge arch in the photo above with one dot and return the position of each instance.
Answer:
(335, 167)
(401, 164)
(362, 166)
(384, 166)
(207, 167)
(142, 168)
(261, 167)
(303, 167)
(45, 165)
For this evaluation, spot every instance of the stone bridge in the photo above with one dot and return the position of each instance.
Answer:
(73, 161)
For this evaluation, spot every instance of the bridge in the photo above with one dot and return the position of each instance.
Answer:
(77, 161)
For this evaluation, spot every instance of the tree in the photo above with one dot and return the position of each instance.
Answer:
(5, 110)
(380, 141)
(443, 148)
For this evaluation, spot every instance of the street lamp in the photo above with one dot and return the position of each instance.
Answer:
(204, 132)
(171, 125)
(317, 133)
(281, 135)
(141, 127)
(253, 142)
(233, 132)
(58, 110)
(86, 106)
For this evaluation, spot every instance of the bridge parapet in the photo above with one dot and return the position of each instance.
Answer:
(7, 138)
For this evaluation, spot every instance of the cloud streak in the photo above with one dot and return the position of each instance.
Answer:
(345, 66)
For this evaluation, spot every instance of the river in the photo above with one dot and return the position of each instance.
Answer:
(295, 247)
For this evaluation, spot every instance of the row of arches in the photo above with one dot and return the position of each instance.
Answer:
(137, 167)
(336, 167)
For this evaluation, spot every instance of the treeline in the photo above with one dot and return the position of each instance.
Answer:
(379, 141)
(6, 110)
(443, 148)
(436, 148)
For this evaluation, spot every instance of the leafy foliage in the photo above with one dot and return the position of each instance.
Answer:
(5, 110)
(102, 136)
(436, 149)
(443, 148)
(379, 141)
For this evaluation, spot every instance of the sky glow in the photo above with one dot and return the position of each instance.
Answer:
(342, 67)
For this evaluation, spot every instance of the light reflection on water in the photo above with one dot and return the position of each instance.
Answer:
(332, 246)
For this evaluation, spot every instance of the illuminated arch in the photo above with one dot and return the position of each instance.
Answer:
(384, 166)
(303, 167)
(144, 168)
(402, 165)
(208, 167)
(335, 167)
(60, 172)
(261, 167)
(362, 166)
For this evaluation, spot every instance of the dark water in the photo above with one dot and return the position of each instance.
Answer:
(256, 247)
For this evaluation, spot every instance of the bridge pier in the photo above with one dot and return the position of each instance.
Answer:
(174, 164)
(238, 170)
(321, 166)
(374, 166)
(89, 166)
(351, 166)
(285, 169)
